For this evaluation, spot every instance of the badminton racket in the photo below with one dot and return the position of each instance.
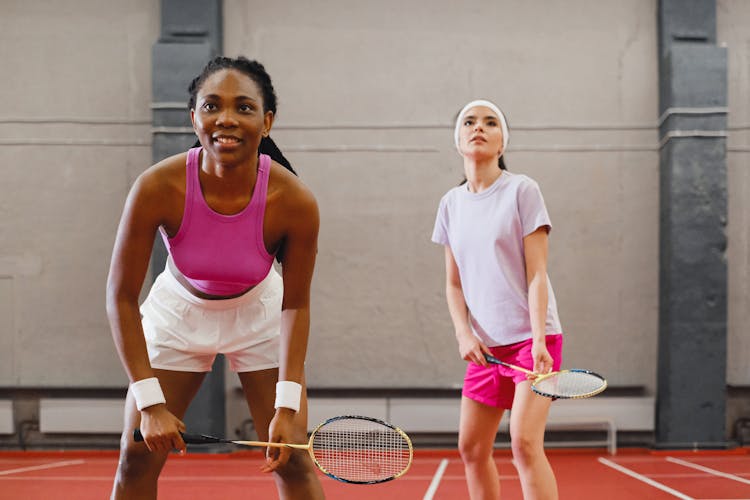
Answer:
(565, 384)
(351, 449)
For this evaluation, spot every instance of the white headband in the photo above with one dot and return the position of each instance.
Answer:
(487, 104)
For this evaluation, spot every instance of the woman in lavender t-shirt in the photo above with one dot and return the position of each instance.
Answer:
(494, 228)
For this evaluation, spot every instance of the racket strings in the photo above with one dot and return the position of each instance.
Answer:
(571, 384)
(361, 451)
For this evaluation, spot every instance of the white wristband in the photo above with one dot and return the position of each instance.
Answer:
(147, 392)
(288, 395)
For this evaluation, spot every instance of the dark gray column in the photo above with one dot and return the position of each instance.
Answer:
(191, 34)
(691, 398)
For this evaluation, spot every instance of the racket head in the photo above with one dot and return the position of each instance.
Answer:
(569, 384)
(360, 450)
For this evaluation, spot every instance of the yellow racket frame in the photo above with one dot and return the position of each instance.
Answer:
(537, 379)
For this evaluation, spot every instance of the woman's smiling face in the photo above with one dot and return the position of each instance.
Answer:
(228, 116)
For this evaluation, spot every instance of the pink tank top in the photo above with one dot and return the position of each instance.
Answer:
(221, 254)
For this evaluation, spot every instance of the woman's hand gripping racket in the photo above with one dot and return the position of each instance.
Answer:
(565, 384)
(351, 449)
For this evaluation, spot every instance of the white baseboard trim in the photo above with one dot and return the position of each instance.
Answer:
(6, 417)
(441, 415)
(81, 415)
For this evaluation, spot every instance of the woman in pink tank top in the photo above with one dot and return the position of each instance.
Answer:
(225, 212)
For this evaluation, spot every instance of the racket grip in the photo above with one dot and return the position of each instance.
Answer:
(492, 359)
(188, 438)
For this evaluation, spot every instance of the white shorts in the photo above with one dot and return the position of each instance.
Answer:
(184, 332)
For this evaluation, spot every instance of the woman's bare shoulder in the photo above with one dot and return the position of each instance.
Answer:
(169, 173)
(295, 193)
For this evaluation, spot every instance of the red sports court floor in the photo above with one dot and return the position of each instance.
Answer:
(437, 475)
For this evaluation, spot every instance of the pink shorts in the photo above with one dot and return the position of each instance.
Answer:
(495, 385)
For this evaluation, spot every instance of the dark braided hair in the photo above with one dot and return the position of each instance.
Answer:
(257, 73)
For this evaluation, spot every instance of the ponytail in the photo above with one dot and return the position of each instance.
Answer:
(501, 163)
(268, 147)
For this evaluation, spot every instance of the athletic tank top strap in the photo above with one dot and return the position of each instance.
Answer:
(192, 184)
(257, 205)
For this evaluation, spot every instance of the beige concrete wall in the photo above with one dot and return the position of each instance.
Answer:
(733, 17)
(74, 133)
(367, 94)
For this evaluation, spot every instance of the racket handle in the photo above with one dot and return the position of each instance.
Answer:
(188, 438)
(494, 360)
(265, 444)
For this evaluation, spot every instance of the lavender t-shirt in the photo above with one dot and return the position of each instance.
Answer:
(485, 233)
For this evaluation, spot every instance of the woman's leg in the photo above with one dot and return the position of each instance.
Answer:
(298, 479)
(476, 438)
(527, 421)
(138, 469)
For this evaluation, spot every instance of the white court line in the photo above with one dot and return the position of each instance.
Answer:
(708, 470)
(52, 465)
(646, 480)
(436, 480)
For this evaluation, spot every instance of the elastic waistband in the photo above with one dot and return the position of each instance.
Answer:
(549, 337)
(170, 281)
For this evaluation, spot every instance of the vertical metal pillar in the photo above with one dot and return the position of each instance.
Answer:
(191, 34)
(691, 399)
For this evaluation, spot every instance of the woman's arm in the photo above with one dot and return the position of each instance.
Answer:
(470, 348)
(130, 257)
(535, 253)
(298, 262)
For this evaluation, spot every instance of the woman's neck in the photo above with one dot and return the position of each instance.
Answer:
(480, 175)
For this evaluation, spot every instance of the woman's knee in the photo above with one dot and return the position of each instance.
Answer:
(137, 462)
(297, 468)
(526, 448)
(473, 450)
